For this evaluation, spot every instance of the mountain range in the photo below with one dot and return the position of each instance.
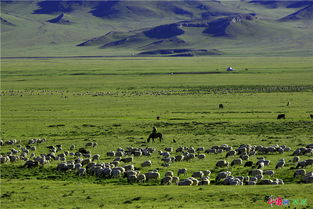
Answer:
(156, 28)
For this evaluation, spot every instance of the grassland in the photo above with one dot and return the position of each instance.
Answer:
(115, 103)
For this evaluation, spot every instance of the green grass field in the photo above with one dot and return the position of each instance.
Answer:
(115, 102)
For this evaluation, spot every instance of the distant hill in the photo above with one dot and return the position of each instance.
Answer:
(128, 28)
(305, 14)
(282, 3)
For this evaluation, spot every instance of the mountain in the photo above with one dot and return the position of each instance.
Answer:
(60, 19)
(305, 14)
(282, 3)
(128, 28)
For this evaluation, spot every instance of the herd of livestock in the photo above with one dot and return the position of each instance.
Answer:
(121, 162)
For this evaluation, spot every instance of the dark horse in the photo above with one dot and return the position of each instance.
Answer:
(154, 136)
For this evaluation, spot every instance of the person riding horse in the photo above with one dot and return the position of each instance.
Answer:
(154, 135)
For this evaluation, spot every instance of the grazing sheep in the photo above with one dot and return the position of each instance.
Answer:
(127, 160)
(72, 147)
(266, 182)
(301, 164)
(255, 172)
(169, 173)
(204, 182)
(111, 154)
(78, 166)
(175, 180)
(237, 161)
(222, 175)
(244, 157)
(86, 161)
(81, 171)
(309, 162)
(165, 154)
(185, 182)
(206, 173)
(259, 176)
(251, 183)
(280, 164)
(137, 153)
(182, 171)
(201, 156)
(129, 167)
(222, 163)
(167, 180)
(179, 158)
(169, 149)
(195, 182)
(198, 174)
(31, 164)
(269, 173)
(167, 159)
(299, 172)
(91, 144)
(260, 165)
(200, 149)
(132, 179)
(146, 163)
(179, 149)
(165, 164)
(248, 164)
(119, 154)
(141, 178)
(230, 153)
(152, 175)
(295, 159)
(96, 157)
(116, 172)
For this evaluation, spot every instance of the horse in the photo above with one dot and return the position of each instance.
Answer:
(220, 106)
(154, 136)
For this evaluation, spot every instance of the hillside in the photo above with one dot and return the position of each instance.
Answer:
(128, 28)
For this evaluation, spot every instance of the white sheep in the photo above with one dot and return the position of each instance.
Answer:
(198, 174)
(237, 161)
(269, 173)
(141, 177)
(169, 149)
(195, 182)
(146, 163)
(296, 159)
(222, 175)
(175, 179)
(132, 179)
(222, 163)
(299, 172)
(185, 182)
(255, 172)
(81, 171)
(96, 157)
(182, 171)
(152, 175)
(206, 172)
(167, 180)
(169, 173)
(280, 164)
(201, 156)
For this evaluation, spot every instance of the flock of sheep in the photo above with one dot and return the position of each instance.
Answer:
(121, 164)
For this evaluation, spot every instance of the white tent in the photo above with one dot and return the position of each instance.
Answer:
(230, 69)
